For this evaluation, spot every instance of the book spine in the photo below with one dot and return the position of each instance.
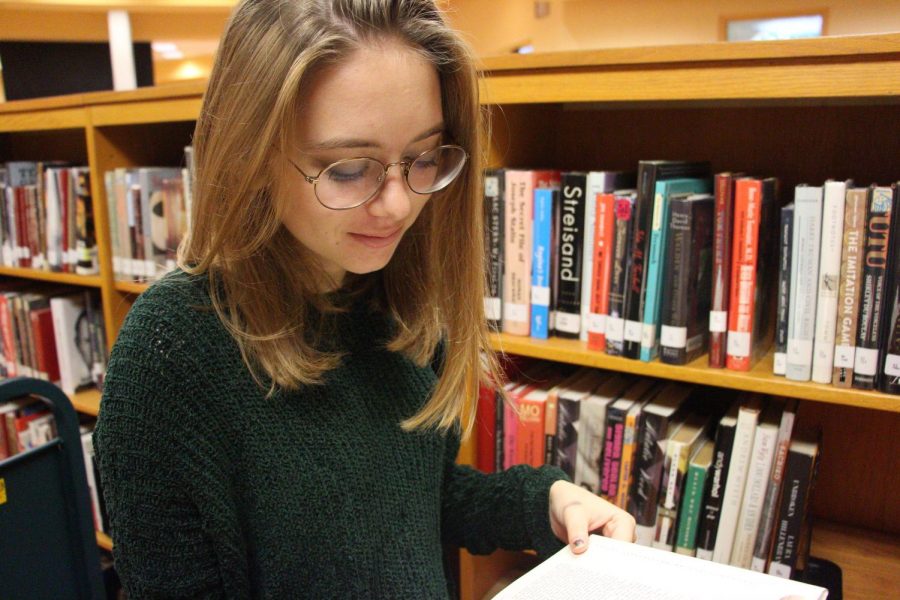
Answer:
(785, 235)
(867, 363)
(673, 341)
(758, 475)
(804, 281)
(484, 428)
(518, 194)
(829, 280)
(499, 432)
(699, 293)
(647, 474)
(890, 376)
(590, 432)
(621, 267)
(747, 210)
(593, 187)
(718, 317)
(510, 431)
(540, 263)
(493, 218)
(570, 249)
(551, 414)
(851, 278)
(659, 226)
(567, 426)
(530, 436)
(798, 479)
(612, 453)
(604, 241)
(632, 421)
(640, 232)
(674, 470)
(689, 512)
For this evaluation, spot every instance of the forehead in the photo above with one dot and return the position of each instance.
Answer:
(380, 92)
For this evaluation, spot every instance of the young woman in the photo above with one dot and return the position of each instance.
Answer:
(281, 416)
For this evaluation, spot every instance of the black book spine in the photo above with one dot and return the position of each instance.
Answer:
(785, 237)
(621, 265)
(800, 476)
(714, 491)
(568, 412)
(701, 276)
(673, 342)
(878, 233)
(570, 250)
(499, 405)
(612, 451)
(493, 219)
(766, 280)
(890, 376)
(647, 473)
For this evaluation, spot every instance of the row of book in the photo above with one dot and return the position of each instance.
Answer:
(149, 212)
(702, 472)
(838, 316)
(46, 217)
(27, 423)
(52, 335)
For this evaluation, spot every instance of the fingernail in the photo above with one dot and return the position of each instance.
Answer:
(578, 543)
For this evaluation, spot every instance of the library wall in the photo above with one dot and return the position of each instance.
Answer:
(498, 26)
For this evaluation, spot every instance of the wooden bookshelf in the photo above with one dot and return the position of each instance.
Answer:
(803, 110)
(132, 287)
(104, 541)
(40, 275)
(87, 401)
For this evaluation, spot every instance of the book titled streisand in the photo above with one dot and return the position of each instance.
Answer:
(570, 251)
(614, 570)
(649, 173)
(493, 219)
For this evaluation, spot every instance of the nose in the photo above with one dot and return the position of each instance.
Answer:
(393, 199)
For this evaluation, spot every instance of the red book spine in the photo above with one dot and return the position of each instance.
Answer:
(747, 208)
(9, 343)
(45, 343)
(718, 317)
(22, 228)
(604, 232)
(485, 429)
(530, 437)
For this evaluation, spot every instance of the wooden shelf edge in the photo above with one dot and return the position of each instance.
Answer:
(38, 275)
(132, 287)
(759, 379)
(104, 541)
(87, 401)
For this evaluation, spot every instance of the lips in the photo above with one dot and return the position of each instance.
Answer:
(378, 240)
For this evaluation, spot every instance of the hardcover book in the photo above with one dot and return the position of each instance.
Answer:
(714, 490)
(722, 243)
(494, 246)
(852, 264)
(890, 376)
(591, 430)
(570, 251)
(621, 267)
(699, 466)
(785, 238)
(688, 279)
(604, 240)
(544, 200)
(568, 412)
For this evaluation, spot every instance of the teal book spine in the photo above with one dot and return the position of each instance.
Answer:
(655, 259)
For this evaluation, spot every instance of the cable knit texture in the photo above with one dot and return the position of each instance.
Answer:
(215, 491)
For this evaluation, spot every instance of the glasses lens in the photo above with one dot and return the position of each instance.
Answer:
(436, 169)
(349, 183)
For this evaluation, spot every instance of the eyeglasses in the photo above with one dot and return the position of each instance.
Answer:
(352, 182)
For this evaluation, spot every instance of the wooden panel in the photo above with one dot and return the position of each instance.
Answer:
(857, 483)
(759, 379)
(159, 111)
(60, 144)
(87, 402)
(730, 82)
(870, 561)
(64, 118)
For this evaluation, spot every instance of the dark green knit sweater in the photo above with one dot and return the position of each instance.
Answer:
(213, 490)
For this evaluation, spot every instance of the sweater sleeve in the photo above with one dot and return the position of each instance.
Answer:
(171, 517)
(510, 510)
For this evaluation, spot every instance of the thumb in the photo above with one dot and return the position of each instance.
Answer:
(575, 518)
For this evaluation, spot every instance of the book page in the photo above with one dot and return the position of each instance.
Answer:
(614, 570)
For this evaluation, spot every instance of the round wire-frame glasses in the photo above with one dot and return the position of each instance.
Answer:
(352, 182)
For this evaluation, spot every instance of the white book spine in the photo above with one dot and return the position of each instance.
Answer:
(829, 280)
(87, 450)
(734, 486)
(758, 475)
(594, 185)
(805, 249)
(591, 433)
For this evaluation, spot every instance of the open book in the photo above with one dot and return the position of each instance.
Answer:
(616, 570)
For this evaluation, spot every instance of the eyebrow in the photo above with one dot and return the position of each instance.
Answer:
(344, 143)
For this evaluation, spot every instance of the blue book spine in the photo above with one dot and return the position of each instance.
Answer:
(540, 266)
(655, 259)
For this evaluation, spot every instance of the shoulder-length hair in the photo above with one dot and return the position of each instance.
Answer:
(264, 285)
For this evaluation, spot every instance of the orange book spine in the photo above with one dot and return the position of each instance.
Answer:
(747, 210)
(604, 233)
(530, 436)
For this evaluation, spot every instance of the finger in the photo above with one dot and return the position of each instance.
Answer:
(620, 527)
(575, 517)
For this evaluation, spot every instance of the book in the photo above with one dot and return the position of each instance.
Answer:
(659, 235)
(747, 419)
(799, 480)
(804, 281)
(758, 475)
(699, 467)
(603, 246)
(612, 570)
(649, 173)
(570, 252)
(74, 363)
(629, 441)
(621, 267)
(494, 246)
(485, 428)
(598, 182)
(751, 307)
(687, 280)
(86, 262)
(591, 430)
(785, 238)
(541, 282)
(714, 489)
(867, 364)
(852, 262)
(568, 411)
(890, 336)
(679, 448)
(763, 543)
(659, 419)
(722, 244)
(613, 437)
(829, 279)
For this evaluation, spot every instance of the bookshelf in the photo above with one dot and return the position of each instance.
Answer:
(803, 110)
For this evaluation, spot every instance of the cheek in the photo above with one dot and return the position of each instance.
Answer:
(312, 224)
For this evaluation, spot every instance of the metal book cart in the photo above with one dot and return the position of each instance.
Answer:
(48, 548)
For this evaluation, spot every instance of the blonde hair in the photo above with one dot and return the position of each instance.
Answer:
(433, 286)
